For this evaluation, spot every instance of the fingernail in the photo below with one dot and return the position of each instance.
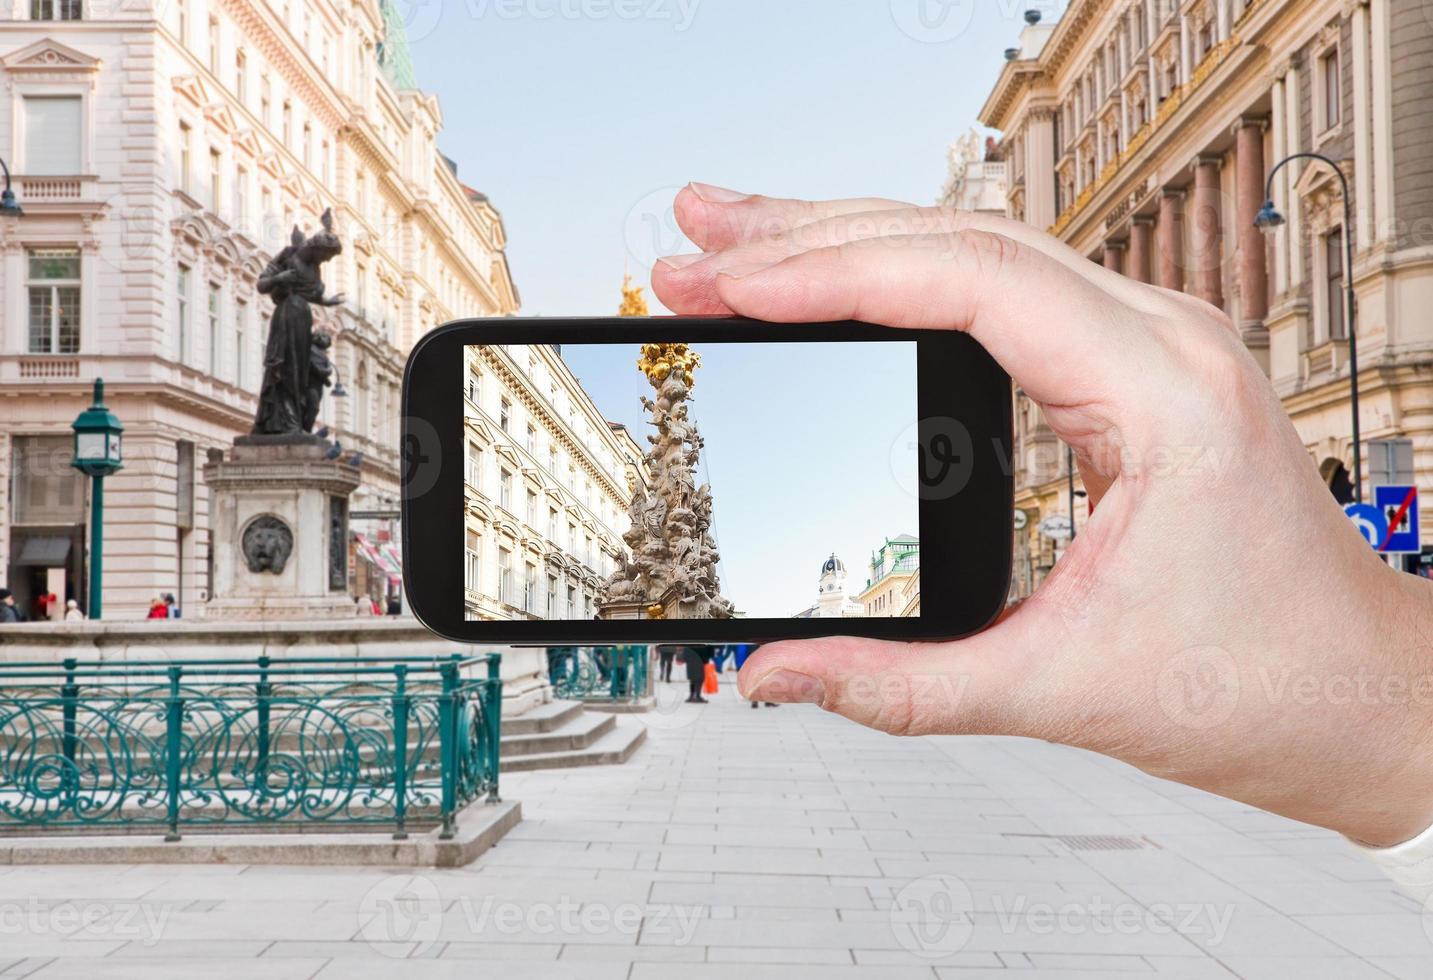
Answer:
(742, 271)
(790, 687)
(681, 261)
(712, 194)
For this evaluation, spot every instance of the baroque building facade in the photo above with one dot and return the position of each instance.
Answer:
(1141, 132)
(548, 483)
(163, 150)
(893, 587)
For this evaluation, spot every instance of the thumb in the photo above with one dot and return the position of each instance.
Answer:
(975, 686)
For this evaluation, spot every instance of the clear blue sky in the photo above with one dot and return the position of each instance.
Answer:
(803, 446)
(580, 120)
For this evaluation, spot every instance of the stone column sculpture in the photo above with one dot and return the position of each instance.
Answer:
(672, 573)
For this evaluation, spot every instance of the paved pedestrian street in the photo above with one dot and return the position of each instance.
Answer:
(771, 843)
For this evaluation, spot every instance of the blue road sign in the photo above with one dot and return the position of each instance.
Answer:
(1370, 522)
(1399, 509)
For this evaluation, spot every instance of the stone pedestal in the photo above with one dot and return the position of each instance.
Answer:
(280, 525)
(670, 602)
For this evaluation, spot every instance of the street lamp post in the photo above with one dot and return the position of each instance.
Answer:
(97, 455)
(1070, 473)
(1269, 220)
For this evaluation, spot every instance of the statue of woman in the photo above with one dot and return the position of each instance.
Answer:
(292, 281)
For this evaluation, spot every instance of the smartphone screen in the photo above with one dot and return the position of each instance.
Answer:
(690, 481)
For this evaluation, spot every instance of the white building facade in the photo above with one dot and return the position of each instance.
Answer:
(548, 485)
(163, 150)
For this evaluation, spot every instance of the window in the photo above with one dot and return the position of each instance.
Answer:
(216, 179)
(52, 134)
(472, 569)
(552, 524)
(183, 6)
(241, 197)
(505, 587)
(571, 602)
(1331, 80)
(475, 466)
(323, 158)
(241, 75)
(551, 596)
(529, 589)
(572, 477)
(531, 440)
(266, 102)
(505, 491)
(475, 391)
(182, 292)
(571, 538)
(214, 45)
(185, 162)
(214, 359)
(1333, 262)
(288, 124)
(308, 142)
(504, 414)
(241, 347)
(214, 330)
(55, 10)
(552, 458)
(53, 278)
(587, 552)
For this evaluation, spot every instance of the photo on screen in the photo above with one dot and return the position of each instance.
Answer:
(702, 481)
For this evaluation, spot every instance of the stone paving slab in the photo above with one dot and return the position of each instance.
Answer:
(779, 843)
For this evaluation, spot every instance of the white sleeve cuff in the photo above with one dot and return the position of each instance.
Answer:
(1409, 864)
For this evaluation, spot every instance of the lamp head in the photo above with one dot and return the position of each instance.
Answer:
(1268, 219)
(9, 207)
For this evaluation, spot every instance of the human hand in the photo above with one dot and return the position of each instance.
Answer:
(1218, 622)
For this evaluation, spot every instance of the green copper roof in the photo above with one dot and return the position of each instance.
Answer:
(393, 55)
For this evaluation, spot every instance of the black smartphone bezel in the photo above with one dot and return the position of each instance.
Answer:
(966, 537)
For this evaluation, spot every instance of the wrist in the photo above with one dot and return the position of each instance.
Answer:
(1401, 783)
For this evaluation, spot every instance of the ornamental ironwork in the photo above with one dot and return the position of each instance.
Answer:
(606, 674)
(403, 742)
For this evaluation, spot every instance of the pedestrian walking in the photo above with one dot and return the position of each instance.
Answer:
(72, 611)
(8, 612)
(665, 656)
(158, 609)
(696, 673)
(171, 605)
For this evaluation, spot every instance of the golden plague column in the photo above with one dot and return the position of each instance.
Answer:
(672, 573)
(633, 302)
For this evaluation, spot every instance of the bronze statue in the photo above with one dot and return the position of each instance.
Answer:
(292, 281)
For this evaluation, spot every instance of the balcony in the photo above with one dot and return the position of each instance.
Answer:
(58, 192)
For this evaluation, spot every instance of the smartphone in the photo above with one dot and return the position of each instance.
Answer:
(676, 479)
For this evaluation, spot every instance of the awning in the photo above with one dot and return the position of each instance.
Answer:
(372, 554)
(50, 551)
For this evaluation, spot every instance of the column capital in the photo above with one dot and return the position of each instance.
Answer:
(1260, 123)
(1173, 193)
(1287, 65)
(1141, 221)
(1207, 159)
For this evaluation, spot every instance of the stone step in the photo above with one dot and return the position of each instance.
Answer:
(613, 748)
(543, 718)
(577, 733)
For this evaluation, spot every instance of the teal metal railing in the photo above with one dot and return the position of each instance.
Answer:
(400, 742)
(616, 675)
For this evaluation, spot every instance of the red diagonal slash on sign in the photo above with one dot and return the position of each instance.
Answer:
(1397, 521)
